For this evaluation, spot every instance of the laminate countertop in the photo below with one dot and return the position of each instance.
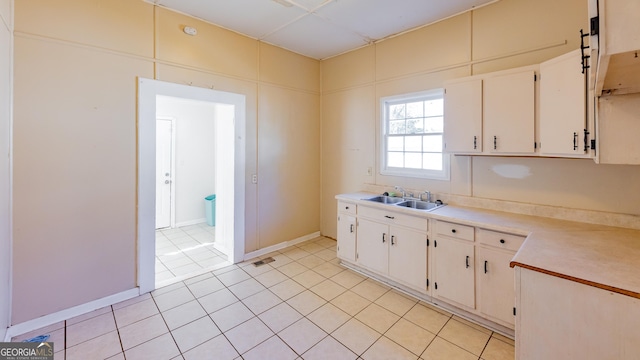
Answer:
(601, 256)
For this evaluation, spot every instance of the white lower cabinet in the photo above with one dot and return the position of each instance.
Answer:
(347, 231)
(453, 271)
(397, 251)
(408, 257)
(469, 266)
(496, 294)
(347, 237)
(373, 249)
(495, 286)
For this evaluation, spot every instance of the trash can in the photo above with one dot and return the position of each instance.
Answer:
(210, 209)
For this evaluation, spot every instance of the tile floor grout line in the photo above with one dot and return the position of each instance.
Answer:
(115, 321)
(65, 339)
(486, 344)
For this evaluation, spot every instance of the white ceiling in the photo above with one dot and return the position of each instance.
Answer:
(320, 28)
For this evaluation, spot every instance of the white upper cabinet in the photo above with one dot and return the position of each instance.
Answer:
(562, 107)
(509, 113)
(618, 65)
(463, 116)
(491, 114)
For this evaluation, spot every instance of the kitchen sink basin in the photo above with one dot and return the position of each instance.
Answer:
(420, 205)
(386, 199)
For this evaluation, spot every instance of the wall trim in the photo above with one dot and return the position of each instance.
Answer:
(69, 313)
(156, 61)
(279, 246)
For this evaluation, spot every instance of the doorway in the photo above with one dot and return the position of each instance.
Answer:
(229, 139)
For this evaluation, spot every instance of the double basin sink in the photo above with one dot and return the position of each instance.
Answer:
(408, 203)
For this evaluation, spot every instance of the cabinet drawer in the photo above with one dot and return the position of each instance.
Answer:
(347, 208)
(394, 218)
(458, 231)
(411, 222)
(500, 240)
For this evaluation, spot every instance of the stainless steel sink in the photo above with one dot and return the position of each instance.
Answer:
(419, 205)
(386, 199)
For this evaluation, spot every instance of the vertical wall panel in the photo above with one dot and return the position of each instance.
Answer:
(74, 176)
(288, 164)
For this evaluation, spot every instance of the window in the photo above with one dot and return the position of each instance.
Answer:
(411, 140)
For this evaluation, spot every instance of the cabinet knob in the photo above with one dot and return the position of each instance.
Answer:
(453, 231)
(502, 241)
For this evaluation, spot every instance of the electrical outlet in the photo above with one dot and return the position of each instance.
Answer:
(254, 178)
(369, 171)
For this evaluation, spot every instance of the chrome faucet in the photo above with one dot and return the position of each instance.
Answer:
(404, 193)
(428, 193)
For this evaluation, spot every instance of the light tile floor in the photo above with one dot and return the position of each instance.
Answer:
(185, 250)
(302, 306)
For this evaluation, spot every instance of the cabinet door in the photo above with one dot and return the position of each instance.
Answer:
(347, 237)
(496, 288)
(373, 245)
(509, 113)
(463, 117)
(562, 105)
(454, 271)
(408, 257)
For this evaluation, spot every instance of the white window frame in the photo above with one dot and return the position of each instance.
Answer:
(395, 171)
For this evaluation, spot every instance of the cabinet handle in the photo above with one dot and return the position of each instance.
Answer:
(453, 231)
(351, 227)
(383, 238)
(502, 241)
(495, 142)
(485, 266)
(467, 261)
(392, 238)
(389, 217)
(575, 141)
(475, 142)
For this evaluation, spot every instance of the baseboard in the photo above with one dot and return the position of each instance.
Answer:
(279, 246)
(62, 315)
(191, 222)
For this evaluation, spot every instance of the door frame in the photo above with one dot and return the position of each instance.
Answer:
(172, 205)
(148, 90)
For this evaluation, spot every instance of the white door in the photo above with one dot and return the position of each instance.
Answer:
(164, 176)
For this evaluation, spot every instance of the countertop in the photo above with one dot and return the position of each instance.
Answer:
(601, 256)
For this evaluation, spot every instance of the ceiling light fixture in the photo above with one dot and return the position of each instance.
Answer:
(190, 30)
(284, 3)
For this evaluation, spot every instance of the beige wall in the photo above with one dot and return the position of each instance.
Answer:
(503, 35)
(75, 138)
(6, 54)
